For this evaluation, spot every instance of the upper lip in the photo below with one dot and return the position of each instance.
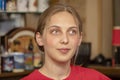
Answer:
(64, 49)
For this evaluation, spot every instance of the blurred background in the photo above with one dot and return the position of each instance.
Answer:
(99, 17)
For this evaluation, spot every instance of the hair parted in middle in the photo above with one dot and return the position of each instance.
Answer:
(56, 8)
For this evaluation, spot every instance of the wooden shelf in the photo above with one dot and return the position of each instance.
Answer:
(13, 74)
(109, 71)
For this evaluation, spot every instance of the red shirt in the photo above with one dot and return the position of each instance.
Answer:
(77, 73)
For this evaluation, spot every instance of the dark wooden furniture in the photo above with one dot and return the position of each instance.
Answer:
(13, 76)
(112, 72)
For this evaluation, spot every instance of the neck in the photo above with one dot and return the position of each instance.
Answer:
(55, 70)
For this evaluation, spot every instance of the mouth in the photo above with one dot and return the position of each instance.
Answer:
(64, 50)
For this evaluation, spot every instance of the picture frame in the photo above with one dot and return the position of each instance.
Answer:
(17, 40)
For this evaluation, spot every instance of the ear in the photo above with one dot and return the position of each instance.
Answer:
(39, 39)
(80, 39)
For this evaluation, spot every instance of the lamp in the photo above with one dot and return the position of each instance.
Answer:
(116, 44)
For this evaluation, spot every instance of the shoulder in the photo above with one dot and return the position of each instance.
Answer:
(35, 73)
(89, 73)
(84, 70)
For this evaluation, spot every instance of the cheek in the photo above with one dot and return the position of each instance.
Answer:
(50, 41)
(75, 42)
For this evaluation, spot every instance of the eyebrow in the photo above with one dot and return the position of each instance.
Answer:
(53, 26)
(60, 27)
(73, 27)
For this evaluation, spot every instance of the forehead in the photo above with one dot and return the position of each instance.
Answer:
(63, 16)
(62, 13)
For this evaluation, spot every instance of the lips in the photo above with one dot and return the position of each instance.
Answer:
(64, 50)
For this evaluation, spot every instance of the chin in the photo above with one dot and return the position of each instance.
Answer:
(63, 60)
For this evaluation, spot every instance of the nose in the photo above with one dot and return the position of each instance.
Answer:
(64, 39)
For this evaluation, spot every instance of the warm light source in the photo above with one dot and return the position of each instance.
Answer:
(116, 36)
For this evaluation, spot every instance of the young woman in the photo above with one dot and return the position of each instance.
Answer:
(59, 35)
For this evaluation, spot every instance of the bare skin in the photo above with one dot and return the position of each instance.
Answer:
(60, 39)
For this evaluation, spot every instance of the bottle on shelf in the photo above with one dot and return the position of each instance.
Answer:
(32, 6)
(29, 55)
(11, 6)
(18, 61)
(0, 54)
(22, 5)
(2, 5)
(7, 62)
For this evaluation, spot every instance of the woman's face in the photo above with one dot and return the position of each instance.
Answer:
(61, 37)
